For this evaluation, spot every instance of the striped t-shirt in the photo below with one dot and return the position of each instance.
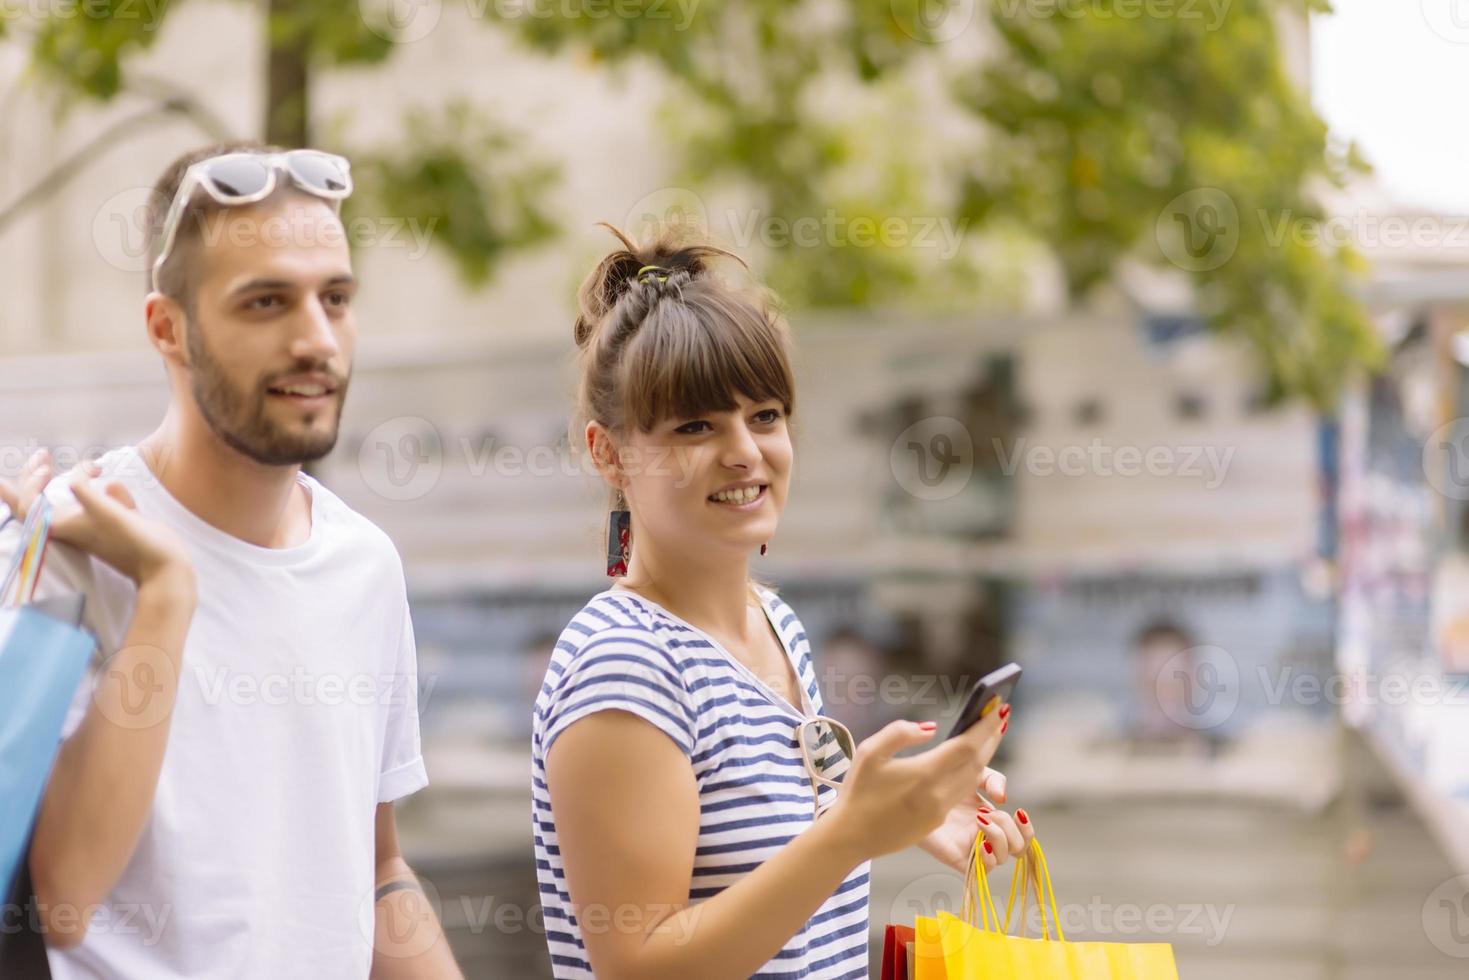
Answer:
(622, 651)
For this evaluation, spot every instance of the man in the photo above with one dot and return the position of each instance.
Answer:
(226, 809)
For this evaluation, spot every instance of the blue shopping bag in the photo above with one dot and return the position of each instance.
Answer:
(43, 653)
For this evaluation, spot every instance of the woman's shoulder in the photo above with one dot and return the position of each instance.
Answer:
(616, 618)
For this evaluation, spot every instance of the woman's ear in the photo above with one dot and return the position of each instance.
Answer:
(604, 454)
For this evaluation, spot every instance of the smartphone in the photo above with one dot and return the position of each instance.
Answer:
(997, 682)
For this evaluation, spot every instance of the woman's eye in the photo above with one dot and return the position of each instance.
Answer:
(338, 299)
(691, 428)
(769, 416)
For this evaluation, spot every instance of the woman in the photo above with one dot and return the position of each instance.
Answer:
(679, 760)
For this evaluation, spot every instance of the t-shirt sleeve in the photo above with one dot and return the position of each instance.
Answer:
(622, 669)
(402, 770)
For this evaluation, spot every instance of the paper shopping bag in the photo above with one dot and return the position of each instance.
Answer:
(976, 946)
(43, 654)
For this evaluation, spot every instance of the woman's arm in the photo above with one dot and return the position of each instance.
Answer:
(626, 809)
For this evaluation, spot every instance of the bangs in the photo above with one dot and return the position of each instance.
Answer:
(695, 351)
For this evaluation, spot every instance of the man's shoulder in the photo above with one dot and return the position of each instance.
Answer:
(344, 520)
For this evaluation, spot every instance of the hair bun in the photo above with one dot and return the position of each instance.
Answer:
(668, 260)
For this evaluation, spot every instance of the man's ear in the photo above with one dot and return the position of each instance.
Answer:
(166, 323)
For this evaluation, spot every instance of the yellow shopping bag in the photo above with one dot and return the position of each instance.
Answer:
(974, 945)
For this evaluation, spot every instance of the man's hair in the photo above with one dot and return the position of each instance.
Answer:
(177, 279)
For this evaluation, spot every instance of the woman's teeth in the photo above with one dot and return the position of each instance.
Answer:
(741, 496)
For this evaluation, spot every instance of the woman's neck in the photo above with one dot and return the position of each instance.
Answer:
(712, 595)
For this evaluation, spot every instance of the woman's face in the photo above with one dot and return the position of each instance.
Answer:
(716, 483)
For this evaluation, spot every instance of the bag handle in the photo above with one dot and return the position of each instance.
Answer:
(1033, 872)
(1030, 872)
(25, 565)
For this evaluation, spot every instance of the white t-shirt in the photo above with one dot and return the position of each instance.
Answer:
(296, 716)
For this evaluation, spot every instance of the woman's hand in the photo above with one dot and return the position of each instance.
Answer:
(952, 841)
(105, 523)
(1006, 835)
(887, 803)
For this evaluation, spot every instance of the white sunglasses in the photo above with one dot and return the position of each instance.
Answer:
(827, 749)
(235, 179)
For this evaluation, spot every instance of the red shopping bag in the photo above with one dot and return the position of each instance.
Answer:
(895, 945)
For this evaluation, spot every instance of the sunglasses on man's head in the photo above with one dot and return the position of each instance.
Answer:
(236, 179)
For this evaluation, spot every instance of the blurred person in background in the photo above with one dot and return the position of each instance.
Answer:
(680, 755)
(213, 778)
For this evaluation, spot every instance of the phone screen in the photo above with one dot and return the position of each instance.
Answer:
(997, 682)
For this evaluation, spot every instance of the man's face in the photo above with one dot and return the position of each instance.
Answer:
(271, 340)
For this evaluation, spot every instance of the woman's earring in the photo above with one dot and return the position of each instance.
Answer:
(619, 537)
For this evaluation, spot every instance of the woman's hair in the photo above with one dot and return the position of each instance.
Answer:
(662, 336)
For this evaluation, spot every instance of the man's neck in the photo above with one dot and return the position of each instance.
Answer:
(258, 504)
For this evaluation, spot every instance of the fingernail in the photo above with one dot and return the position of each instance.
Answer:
(1020, 815)
(987, 848)
(928, 726)
(982, 820)
(1003, 727)
(984, 809)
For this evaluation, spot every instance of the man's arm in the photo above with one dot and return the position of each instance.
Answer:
(408, 941)
(101, 787)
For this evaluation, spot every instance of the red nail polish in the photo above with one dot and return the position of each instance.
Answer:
(984, 809)
(1020, 815)
(987, 848)
(1003, 727)
(982, 820)
(1004, 711)
(928, 726)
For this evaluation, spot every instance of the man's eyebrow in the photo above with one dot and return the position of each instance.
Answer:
(345, 279)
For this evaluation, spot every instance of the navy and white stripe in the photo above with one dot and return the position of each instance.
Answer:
(622, 651)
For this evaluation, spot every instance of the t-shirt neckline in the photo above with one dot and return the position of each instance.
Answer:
(807, 708)
(202, 530)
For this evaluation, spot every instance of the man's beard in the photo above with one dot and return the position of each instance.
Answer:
(239, 417)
